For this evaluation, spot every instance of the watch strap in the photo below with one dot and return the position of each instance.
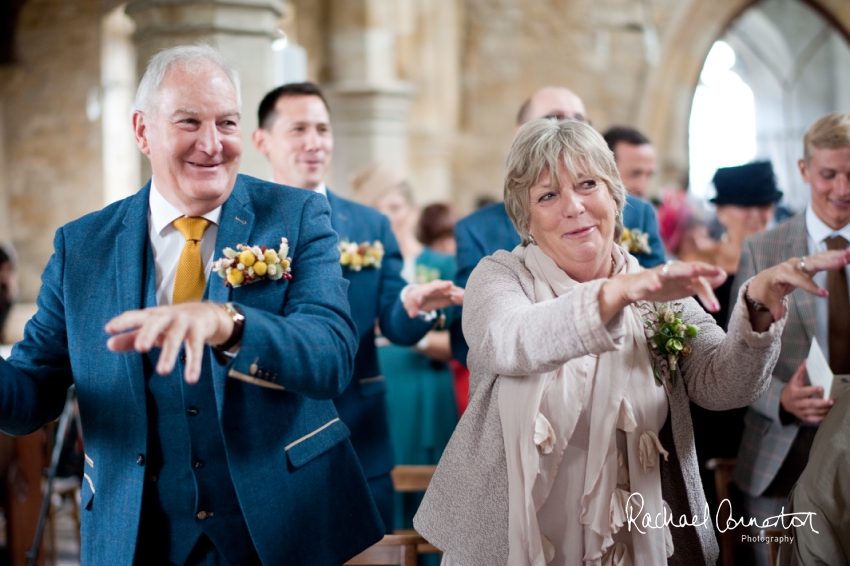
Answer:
(238, 317)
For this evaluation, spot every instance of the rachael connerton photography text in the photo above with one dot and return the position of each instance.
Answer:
(642, 521)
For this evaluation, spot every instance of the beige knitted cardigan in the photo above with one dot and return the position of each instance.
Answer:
(465, 510)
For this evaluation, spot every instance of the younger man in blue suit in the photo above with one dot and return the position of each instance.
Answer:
(295, 134)
(213, 439)
(488, 230)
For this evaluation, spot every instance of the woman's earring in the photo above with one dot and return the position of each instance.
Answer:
(616, 214)
(531, 239)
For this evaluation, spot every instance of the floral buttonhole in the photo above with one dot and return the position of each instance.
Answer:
(248, 264)
(361, 256)
(669, 336)
(635, 241)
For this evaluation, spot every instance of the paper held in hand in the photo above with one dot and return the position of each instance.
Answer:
(819, 373)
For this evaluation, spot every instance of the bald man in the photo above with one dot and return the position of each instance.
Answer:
(490, 229)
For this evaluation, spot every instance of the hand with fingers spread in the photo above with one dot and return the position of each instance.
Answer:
(770, 286)
(805, 402)
(191, 325)
(671, 281)
(431, 296)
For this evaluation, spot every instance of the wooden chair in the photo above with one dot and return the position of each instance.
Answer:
(390, 550)
(411, 479)
(722, 468)
(408, 479)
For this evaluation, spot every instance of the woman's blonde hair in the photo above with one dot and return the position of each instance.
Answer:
(538, 146)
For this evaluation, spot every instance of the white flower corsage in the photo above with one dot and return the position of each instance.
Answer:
(635, 241)
(359, 256)
(247, 264)
(668, 336)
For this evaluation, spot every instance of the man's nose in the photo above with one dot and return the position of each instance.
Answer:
(209, 140)
(311, 140)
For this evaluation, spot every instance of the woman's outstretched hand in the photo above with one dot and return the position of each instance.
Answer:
(668, 282)
(770, 286)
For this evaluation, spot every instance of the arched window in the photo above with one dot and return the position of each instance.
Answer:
(723, 119)
(795, 62)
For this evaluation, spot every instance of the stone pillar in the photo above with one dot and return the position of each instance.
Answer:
(430, 60)
(369, 104)
(242, 30)
(121, 161)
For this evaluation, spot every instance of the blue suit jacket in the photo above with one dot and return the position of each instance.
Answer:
(374, 296)
(490, 229)
(303, 495)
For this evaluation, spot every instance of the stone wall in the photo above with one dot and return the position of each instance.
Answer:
(456, 71)
(53, 171)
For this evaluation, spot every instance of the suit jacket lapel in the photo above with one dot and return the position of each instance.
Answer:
(797, 245)
(235, 227)
(133, 240)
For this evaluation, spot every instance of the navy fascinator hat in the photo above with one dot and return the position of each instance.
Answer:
(753, 184)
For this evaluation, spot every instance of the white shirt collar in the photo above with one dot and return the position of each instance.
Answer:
(322, 189)
(819, 231)
(163, 213)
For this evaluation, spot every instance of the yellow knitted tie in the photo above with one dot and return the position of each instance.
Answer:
(190, 282)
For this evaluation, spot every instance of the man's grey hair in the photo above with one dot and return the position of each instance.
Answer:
(192, 59)
(538, 146)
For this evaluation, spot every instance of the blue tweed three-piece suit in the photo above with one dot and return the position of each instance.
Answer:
(283, 453)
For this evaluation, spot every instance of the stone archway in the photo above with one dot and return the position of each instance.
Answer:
(665, 103)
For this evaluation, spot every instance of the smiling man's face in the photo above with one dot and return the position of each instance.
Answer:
(192, 138)
(299, 143)
(827, 171)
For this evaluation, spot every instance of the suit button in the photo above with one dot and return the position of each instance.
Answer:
(203, 515)
(140, 459)
(191, 411)
(198, 464)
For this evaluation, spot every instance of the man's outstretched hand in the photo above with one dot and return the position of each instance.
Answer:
(189, 324)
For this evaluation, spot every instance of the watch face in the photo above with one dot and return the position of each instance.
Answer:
(234, 311)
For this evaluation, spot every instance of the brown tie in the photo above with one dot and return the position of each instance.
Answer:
(190, 282)
(839, 312)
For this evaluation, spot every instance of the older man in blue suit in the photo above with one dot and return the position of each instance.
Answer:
(488, 230)
(211, 439)
(295, 134)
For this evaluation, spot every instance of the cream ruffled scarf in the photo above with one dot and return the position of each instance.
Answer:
(539, 414)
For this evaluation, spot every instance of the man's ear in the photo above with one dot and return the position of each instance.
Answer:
(141, 131)
(258, 136)
(804, 170)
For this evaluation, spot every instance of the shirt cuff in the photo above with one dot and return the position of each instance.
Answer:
(427, 316)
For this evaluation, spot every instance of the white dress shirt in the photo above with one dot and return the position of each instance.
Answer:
(818, 232)
(167, 243)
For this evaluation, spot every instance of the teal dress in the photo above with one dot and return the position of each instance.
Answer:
(422, 410)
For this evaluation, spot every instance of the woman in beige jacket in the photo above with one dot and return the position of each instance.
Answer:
(577, 446)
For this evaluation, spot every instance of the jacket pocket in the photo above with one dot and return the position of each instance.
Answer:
(372, 385)
(316, 443)
(266, 294)
(88, 488)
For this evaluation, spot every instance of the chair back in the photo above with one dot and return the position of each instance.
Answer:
(390, 550)
(408, 479)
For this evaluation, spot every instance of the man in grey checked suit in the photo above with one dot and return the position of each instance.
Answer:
(780, 426)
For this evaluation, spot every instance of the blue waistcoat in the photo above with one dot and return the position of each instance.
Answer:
(188, 489)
